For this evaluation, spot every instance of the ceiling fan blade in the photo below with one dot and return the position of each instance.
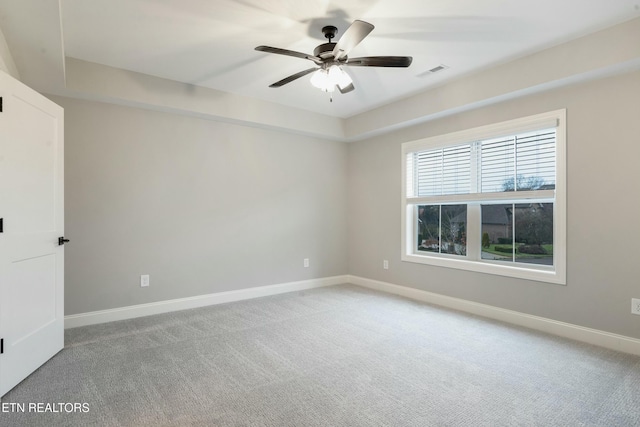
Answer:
(347, 89)
(351, 38)
(293, 77)
(380, 61)
(287, 52)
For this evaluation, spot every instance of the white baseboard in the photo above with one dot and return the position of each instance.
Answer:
(567, 330)
(140, 310)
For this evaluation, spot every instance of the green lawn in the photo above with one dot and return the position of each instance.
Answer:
(491, 249)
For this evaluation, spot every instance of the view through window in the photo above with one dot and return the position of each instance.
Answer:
(489, 198)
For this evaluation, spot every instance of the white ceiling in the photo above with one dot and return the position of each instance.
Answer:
(211, 43)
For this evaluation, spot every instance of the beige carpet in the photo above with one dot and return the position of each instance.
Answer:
(337, 356)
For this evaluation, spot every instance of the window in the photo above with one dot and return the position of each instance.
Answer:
(489, 199)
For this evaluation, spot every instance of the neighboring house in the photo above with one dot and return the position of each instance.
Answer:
(496, 221)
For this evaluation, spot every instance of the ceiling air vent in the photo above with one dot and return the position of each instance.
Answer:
(433, 70)
(438, 68)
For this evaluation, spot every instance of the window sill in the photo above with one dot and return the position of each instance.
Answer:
(539, 274)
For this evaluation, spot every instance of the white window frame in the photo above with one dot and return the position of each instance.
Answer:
(472, 260)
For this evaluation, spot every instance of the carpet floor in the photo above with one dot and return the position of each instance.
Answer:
(334, 356)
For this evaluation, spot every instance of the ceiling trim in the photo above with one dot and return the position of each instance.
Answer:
(586, 58)
(97, 82)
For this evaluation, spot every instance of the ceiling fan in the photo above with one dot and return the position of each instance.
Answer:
(329, 58)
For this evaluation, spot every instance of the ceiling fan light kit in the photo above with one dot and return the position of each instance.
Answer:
(328, 79)
(329, 58)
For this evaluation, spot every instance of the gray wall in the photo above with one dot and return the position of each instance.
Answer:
(207, 207)
(603, 228)
(6, 60)
(201, 206)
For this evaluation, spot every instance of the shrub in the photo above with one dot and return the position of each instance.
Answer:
(504, 240)
(505, 249)
(485, 240)
(532, 249)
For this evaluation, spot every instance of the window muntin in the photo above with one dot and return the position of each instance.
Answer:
(518, 165)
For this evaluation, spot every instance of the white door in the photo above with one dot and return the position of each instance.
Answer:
(32, 212)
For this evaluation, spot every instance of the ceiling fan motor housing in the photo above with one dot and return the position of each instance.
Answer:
(325, 50)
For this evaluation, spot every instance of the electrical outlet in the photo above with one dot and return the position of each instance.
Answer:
(306, 262)
(635, 305)
(144, 280)
(385, 264)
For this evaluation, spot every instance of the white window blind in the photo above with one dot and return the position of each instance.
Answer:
(497, 164)
(536, 159)
(441, 171)
(510, 163)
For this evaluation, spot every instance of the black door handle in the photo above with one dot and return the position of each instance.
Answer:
(62, 241)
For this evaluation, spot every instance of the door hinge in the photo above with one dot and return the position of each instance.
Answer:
(1, 345)
(1, 225)
(0, 104)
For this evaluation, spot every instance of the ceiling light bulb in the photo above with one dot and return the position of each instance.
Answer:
(339, 77)
(345, 79)
(318, 79)
(334, 74)
(322, 81)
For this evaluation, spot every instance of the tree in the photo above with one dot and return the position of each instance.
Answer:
(485, 240)
(429, 227)
(454, 219)
(523, 183)
(534, 223)
(442, 228)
